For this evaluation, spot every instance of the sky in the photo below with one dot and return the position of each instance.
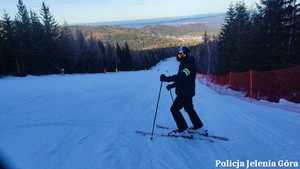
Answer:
(89, 11)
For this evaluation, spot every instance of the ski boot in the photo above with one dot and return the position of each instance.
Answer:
(201, 131)
(177, 133)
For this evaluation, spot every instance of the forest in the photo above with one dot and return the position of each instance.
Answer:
(34, 44)
(137, 39)
(267, 38)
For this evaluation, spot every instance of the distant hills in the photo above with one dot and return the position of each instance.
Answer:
(188, 29)
(155, 33)
(212, 20)
(151, 36)
(136, 38)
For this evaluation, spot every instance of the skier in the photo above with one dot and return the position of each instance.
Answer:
(184, 83)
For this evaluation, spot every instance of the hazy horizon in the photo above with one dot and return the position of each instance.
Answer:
(92, 11)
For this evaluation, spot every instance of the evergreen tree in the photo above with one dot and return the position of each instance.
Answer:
(243, 40)
(204, 55)
(256, 50)
(23, 33)
(111, 56)
(226, 43)
(69, 50)
(2, 59)
(23, 24)
(8, 46)
(102, 53)
(50, 25)
(52, 38)
(102, 47)
(272, 31)
(38, 43)
(127, 57)
(235, 41)
(291, 29)
(37, 28)
(120, 56)
(81, 52)
(94, 60)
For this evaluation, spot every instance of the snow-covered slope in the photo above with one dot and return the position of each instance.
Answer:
(89, 121)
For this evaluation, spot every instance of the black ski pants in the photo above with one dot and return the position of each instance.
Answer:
(187, 104)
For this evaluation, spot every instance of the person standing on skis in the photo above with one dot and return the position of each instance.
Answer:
(184, 83)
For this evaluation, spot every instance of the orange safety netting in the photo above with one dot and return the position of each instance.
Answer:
(267, 85)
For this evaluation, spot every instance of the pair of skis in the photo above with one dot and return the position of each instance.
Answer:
(166, 135)
(195, 135)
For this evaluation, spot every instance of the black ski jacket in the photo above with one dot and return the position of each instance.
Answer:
(185, 78)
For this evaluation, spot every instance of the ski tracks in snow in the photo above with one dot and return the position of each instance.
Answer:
(89, 121)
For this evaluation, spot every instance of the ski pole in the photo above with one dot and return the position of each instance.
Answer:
(156, 111)
(171, 95)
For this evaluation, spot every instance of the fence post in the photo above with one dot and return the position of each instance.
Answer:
(230, 75)
(221, 86)
(207, 79)
(210, 80)
(201, 78)
(251, 85)
(215, 83)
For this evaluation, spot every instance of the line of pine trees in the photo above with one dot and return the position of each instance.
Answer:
(265, 39)
(35, 44)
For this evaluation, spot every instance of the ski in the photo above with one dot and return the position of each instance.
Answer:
(214, 137)
(166, 135)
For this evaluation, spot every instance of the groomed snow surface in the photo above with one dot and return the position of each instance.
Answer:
(88, 121)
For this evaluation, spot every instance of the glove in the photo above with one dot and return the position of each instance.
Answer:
(169, 87)
(163, 78)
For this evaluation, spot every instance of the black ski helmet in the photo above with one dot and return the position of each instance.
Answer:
(183, 52)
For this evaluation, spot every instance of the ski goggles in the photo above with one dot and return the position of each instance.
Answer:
(181, 55)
